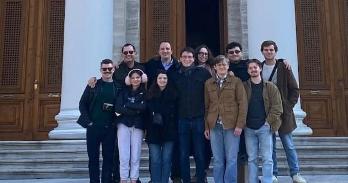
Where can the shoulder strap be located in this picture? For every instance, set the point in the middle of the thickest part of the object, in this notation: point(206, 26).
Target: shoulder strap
point(273, 71)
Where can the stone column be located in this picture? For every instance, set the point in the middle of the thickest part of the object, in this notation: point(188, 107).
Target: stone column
point(237, 23)
point(88, 39)
point(275, 20)
point(126, 19)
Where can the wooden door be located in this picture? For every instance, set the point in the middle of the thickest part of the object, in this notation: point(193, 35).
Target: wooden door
point(165, 20)
point(31, 50)
point(322, 35)
point(161, 20)
point(340, 53)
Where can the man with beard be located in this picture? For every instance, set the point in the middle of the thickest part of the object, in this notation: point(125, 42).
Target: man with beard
point(263, 118)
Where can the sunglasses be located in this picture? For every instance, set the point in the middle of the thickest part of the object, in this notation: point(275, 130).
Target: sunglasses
point(107, 69)
point(203, 53)
point(235, 51)
point(126, 52)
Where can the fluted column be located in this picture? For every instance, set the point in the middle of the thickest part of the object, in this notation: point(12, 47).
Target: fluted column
point(88, 39)
point(275, 20)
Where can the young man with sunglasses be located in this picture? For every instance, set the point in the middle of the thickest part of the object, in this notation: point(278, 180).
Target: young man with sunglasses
point(128, 54)
point(237, 65)
point(97, 116)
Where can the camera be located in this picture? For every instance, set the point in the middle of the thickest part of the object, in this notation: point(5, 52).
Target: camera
point(108, 107)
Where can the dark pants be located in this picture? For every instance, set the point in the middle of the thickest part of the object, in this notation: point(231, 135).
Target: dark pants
point(97, 136)
point(242, 154)
point(116, 163)
point(242, 158)
point(192, 128)
point(208, 154)
point(175, 170)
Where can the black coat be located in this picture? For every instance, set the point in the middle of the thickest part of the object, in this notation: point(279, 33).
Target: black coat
point(240, 69)
point(154, 65)
point(122, 71)
point(166, 106)
point(131, 105)
point(88, 99)
point(190, 86)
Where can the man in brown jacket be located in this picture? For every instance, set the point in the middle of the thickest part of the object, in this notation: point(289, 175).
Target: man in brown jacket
point(276, 72)
point(225, 114)
point(263, 118)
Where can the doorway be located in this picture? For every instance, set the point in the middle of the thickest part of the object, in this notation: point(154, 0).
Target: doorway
point(203, 24)
point(203, 21)
point(31, 57)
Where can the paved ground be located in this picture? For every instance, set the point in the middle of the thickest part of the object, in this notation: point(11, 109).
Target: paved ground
point(310, 179)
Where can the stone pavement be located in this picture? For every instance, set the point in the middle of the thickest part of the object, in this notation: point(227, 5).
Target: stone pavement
point(282, 179)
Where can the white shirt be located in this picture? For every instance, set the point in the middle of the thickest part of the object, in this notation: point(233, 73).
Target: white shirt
point(267, 71)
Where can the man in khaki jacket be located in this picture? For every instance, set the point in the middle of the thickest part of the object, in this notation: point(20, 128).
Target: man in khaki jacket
point(225, 114)
point(263, 118)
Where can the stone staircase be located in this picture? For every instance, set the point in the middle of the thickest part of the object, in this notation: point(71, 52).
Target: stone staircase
point(68, 158)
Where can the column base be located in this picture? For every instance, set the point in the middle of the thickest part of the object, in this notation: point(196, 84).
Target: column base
point(67, 127)
point(301, 129)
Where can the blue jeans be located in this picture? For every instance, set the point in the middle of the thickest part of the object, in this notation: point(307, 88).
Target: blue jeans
point(225, 146)
point(290, 152)
point(192, 128)
point(161, 161)
point(255, 140)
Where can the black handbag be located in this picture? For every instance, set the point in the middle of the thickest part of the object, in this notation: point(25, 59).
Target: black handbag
point(157, 119)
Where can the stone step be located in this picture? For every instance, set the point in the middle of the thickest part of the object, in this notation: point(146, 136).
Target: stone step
point(318, 159)
point(317, 150)
point(81, 144)
point(68, 159)
point(40, 173)
point(82, 162)
point(43, 145)
point(42, 154)
point(321, 141)
point(317, 169)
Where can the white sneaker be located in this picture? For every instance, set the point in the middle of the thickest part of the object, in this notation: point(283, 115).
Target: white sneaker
point(297, 178)
point(274, 179)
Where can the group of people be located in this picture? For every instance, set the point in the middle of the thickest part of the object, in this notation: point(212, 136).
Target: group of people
point(198, 105)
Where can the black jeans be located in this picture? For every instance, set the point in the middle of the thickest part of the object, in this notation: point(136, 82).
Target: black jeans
point(116, 163)
point(97, 136)
point(175, 172)
point(242, 154)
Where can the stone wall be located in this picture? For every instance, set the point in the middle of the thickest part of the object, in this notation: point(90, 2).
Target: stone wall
point(237, 23)
point(126, 26)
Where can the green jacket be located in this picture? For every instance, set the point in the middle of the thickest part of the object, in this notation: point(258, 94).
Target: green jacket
point(272, 102)
point(229, 102)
